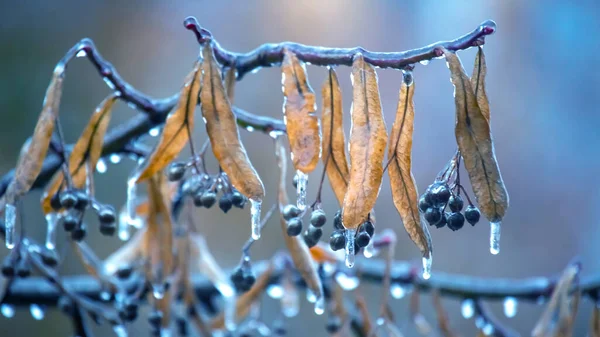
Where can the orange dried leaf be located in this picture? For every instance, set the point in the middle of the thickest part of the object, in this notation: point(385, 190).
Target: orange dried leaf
point(223, 132)
point(230, 77)
point(402, 182)
point(368, 139)
point(474, 140)
point(179, 123)
point(334, 139)
point(322, 253)
point(478, 84)
point(299, 107)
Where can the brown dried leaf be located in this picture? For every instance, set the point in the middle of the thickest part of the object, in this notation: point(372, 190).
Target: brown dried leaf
point(207, 264)
point(177, 127)
point(367, 322)
point(404, 188)
point(478, 84)
point(474, 140)
point(595, 322)
point(368, 139)
point(223, 132)
point(334, 139)
point(298, 249)
point(30, 162)
point(86, 152)
point(299, 107)
point(442, 317)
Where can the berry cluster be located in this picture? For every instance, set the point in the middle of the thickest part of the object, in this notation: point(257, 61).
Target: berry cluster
point(312, 235)
point(440, 196)
point(337, 240)
point(243, 277)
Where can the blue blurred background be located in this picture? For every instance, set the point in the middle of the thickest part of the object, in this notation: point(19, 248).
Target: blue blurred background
point(542, 86)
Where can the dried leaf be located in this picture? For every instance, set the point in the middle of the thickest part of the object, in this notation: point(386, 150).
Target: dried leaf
point(298, 249)
point(404, 188)
point(367, 322)
point(230, 78)
point(86, 152)
point(299, 107)
point(368, 138)
point(207, 264)
point(322, 253)
point(595, 322)
point(423, 327)
point(442, 317)
point(30, 162)
point(223, 132)
point(474, 140)
point(177, 127)
point(478, 83)
point(334, 139)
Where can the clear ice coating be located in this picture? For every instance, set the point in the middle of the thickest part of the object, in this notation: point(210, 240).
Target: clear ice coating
point(346, 282)
point(370, 250)
point(397, 291)
point(10, 219)
point(36, 312)
point(158, 291)
point(275, 291)
point(320, 305)
point(495, 237)
point(115, 158)
point(51, 222)
point(7, 310)
point(123, 231)
point(310, 296)
point(101, 166)
point(109, 83)
point(154, 132)
point(120, 331)
point(488, 329)
point(349, 250)
point(302, 180)
point(81, 53)
point(255, 206)
point(467, 308)
point(228, 294)
point(510, 307)
point(131, 216)
point(427, 266)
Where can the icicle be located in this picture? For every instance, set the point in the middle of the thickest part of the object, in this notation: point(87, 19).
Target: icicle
point(255, 217)
point(131, 216)
point(7, 310)
point(320, 305)
point(275, 291)
point(36, 312)
point(397, 291)
point(510, 307)
point(370, 250)
point(350, 234)
point(467, 308)
point(158, 291)
point(427, 266)
point(120, 331)
point(495, 237)
point(347, 283)
point(10, 219)
point(51, 222)
point(310, 296)
point(228, 294)
point(302, 181)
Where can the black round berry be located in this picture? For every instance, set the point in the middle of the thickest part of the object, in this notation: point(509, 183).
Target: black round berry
point(290, 212)
point(107, 214)
point(333, 325)
point(312, 236)
point(439, 194)
point(124, 272)
point(237, 276)
point(249, 279)
point(337, 240)
point(23, 269)
point(55, 202)
point(456, 221)
point(443, 221)
point(337, 220)
point(49, 257)
point(456, 203)
point(208, 199)
point(423, 203)
point(108, 228)
point(8, 267)
point(82, 200)
point(70, 222)
point(368, 227)
point(67, 199)
point(318, 218)
point(238, 199)
point(176, 171)
point(294, 227)
point(433, 215)
point(472, 215)
point(362, 239)
point(78, 233)
point(225, 203)
point(155, 317)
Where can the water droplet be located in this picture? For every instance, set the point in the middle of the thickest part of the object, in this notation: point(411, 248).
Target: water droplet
point(380, 321)
point(36, 312)
point(204, 119)
point(10, 219)
point(255, 206)
point(510, 307)
point(302, 180)
point(467, 308)
point(165, 332)
point(109, 83)
point(347, 283)
point(115, 158)
point(154, 132)
point(7, 310)
point(274, 134)
point(158, 291)
point(349, 250)
point(275, 291)
point(255, 70)
point(310, 296)
point(370, 250)
point(397, 291)
point(51, 224)
point(320, 305)
point(131, 217)
point(101, 166)
point(250, 128)
point(407, 77)
point(495, 237)
point(424, 62)
point(328, 268)
point(488, 329)
point(427, 261)
point(81, 53)
point(120, 331)
point(105, 296)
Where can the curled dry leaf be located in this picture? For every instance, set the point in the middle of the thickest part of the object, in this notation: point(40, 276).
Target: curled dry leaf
point(334, 139)
point(223, 132)
point(30, 162)
point(299, 107)
point(475, 143)
point(478, 83)
point(322, 253)
point(404, 188)
point(368, 138)
point(85, 153)
point(177, 128)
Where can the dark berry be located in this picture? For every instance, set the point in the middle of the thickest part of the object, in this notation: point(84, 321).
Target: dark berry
point(68, 200)
point(70, 222)
point(82, 200)
point(433, 216)
point(238, 199)
point(362, 239)
point(249, 279)
point(225, 203)
point(124, 272)
point(312, 236)
point(175, 171)
point(155, 317)
point(456, 203)
point(443, 221)
point(439, 194)
point(337, 240)
point(237, 276)
point(472, 215)
point(368, 227)
point(456, 221)
point(208, 199)
point(78, 233)
point(294, 227)
point(49, 257)
point(318, 218)
point(333, 325)
point(337, 220)
point(55, 202)
point(290, 212)
point(423, 203)
point(23, 269)
point(8, 267)
point(108, 228)
point(182, 326)
point(192, 185)
point(129, 310)
point(107, 214)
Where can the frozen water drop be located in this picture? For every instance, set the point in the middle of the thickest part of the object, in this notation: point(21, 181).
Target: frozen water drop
point(479, 322)
point(488, 329)
point(10, 219)
point(255, 206)
point(302, 180)
point(81, 53)
point(109, 83)
point(115, 158)
point(36, 312)
point(204, 119)
point(370, 250)
point(328, 268)
point(424, 62)
point(101, 166)
point(320, 305)
point(495, 237)
point(427, 261)
point(51, 223)
point(274, 134)
point(275, 291)
point(250, 128)
point(7, 310)
point(131, 216)
point(347, 283)
point(120, 331)
point(154, 132)
point(105, 296)
point(310, 296)
point(397, 291)
point(510, 307)
point(158, 291)
point(467, 308)
point(380, 321)
point(349, 250)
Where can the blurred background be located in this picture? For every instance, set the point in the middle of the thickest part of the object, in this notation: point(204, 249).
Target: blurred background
point(542, 87)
